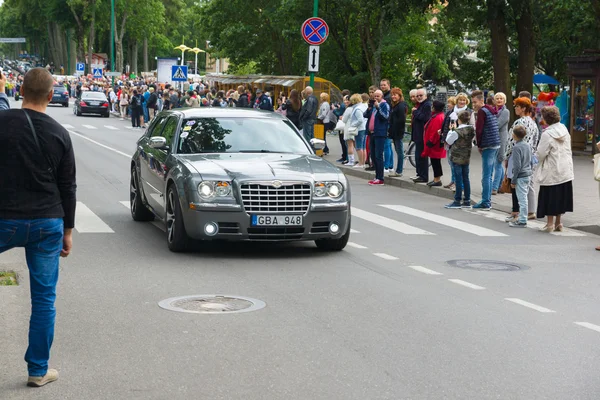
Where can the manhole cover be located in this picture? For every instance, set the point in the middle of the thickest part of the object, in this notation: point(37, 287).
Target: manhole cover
point(212, 304)
point(487, 265)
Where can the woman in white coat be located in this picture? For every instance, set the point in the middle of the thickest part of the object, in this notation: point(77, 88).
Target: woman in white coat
point(555, 171)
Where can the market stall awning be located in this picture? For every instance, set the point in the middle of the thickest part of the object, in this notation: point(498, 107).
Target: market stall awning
point(544, 79)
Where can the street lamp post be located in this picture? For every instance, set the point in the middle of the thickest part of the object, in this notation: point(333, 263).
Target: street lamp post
point(112, 39)
point(197, 50)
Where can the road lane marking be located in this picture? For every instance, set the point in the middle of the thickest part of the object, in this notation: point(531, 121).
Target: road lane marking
point(588, 325)
point(388, 223)
point(531, 224)
point(111, 127)
point(89, 126)
point(356, 245)
point(530, 305)
point(67, 126)
point(453, 223)
point(100, 144)
point(466, 284)
point(424, 270)
point(88, 222)
point(125, 203)
point(385, 256)
point(354, 231)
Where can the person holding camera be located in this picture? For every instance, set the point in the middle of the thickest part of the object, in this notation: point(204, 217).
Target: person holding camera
point(434, 147)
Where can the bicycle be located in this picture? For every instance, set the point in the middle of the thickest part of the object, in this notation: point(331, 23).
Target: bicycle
point(410, 150)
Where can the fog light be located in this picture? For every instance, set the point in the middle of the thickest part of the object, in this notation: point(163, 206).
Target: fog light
point(211, 229)
point(334, 228)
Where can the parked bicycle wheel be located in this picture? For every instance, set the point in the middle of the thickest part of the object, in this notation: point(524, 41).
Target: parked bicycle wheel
point(410, 154)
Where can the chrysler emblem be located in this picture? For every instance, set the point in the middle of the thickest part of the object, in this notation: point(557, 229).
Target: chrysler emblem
point(276, 184)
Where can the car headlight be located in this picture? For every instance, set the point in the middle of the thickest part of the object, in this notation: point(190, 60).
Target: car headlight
point(208, 190)
point(332, 189)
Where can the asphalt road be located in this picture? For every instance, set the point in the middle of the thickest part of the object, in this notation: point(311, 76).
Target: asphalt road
point(388, 318)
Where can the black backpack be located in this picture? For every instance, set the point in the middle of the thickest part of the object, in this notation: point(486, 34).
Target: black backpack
point(135, 101)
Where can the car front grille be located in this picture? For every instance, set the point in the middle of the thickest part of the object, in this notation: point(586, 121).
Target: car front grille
point(275, 233)
point(320, 227)
point(266, 198)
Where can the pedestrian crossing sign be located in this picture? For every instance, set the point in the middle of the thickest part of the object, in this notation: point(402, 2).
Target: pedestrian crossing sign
point(179, 73)
point(97, 72)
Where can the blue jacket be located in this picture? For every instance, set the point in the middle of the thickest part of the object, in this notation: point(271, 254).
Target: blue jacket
point(264, 103)
point(4, 104)
point(382, 116)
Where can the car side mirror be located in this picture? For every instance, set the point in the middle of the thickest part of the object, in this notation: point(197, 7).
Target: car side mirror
point(158, 142)
point(318, 144)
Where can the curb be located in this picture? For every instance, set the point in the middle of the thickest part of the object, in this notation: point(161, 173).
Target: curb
point(405, 183)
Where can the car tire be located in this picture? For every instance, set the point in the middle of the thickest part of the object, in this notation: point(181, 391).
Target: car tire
point(334, 244)
point(107, 115)
point(78, 112)
point(177, 238)
point(66, 105)
point(139, 211)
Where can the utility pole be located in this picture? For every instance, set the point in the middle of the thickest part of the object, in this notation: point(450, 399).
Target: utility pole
point(112, 39)
point(315, 14)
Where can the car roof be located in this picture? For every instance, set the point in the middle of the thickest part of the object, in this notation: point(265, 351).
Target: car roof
point(230, 112)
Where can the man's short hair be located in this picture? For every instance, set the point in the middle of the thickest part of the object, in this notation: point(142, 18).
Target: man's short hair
point(37, 84)
point(477, 94)
point(520, 131)
point(413, 92)
point(346, 92)
point(525, 93)
point(464, 117)
point(386, 80)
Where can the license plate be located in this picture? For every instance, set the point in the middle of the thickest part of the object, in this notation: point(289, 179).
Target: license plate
point(94, 103)
point(276, 220)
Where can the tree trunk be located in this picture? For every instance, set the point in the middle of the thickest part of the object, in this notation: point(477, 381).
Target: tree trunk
point(146, 68)
point(500, 56)
point(80, 35)
point(134, 57)
point(526, 34)
point(92, 35)
point(119, 33)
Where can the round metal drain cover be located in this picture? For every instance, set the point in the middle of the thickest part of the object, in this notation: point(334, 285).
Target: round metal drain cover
point(487, 265)
point(212, 304)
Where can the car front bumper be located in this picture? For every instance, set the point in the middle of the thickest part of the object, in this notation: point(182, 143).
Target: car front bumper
point(235, 224)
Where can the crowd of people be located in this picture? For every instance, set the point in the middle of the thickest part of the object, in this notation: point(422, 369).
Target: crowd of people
point(371, 126)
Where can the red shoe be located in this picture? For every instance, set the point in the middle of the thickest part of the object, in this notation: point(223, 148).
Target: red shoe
point(376, 182)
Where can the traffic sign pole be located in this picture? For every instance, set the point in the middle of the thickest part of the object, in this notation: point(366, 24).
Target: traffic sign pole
point(315, 14)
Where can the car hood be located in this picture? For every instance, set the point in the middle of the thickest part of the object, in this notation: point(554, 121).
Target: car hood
point(251, 166)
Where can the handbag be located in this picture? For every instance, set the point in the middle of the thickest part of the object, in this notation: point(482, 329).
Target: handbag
point(597, 167)
point(505, 186)
point(339, 126)
point(50, 170)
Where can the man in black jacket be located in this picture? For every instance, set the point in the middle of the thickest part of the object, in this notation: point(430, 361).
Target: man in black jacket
point(152, 103)
point(421, 114)
point(308, 114)
point(37, 206)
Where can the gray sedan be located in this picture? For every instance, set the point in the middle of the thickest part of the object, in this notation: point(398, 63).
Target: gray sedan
point(233, 174)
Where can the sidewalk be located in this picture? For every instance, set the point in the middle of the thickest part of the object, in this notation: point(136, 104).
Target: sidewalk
point(586, 215)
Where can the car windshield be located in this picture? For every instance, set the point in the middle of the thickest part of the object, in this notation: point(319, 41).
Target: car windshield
point(93, 96)
point(235, 135)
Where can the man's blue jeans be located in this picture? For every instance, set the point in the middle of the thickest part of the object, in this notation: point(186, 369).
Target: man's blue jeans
point(462, 182)
point(451, 164)
point(488, 158)
point(388, 155)
point(399, 145)
point(308, 130)
point(498, 175)
point(43, 241)
point(379, 142)
point(522, 187)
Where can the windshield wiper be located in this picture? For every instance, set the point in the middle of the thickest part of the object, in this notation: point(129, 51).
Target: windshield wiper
point(258, 151)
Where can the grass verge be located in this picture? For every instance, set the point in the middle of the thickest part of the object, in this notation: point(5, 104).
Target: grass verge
point(8, 278)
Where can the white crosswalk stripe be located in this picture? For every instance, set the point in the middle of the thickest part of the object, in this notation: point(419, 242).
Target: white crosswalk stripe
point(89, 126)
point(67, 126)
point(112, 128)
point(532, 224)
point(88, 222)
point(157, 224)
point(388, 223)
point(453, 223)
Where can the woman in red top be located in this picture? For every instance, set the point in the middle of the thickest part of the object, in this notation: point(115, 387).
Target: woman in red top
point(434, 149)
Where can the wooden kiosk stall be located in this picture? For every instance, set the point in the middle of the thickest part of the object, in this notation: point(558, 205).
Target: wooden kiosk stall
point(584, 79)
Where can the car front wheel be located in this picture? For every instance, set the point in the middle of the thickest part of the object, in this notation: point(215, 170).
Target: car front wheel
point(177, 238)
point(334, 244)
point(139, 212)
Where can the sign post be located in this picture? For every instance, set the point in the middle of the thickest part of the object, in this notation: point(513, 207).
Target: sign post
point(314, 32)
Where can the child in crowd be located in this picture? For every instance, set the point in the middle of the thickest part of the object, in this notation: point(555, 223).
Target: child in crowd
point(521, 174)
point(461, 140)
